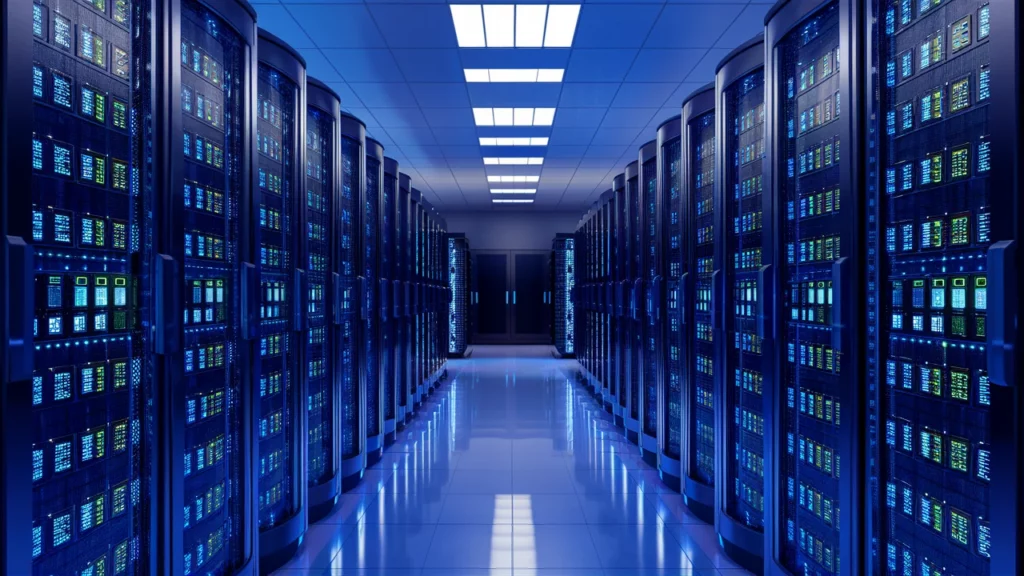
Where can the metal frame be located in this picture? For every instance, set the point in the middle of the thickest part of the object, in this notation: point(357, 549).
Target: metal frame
point(387, 297)
point(369, 303)
point(632, 275)
point(651, 278)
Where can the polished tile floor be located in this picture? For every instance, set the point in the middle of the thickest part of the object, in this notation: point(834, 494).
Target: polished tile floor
point(511, 468)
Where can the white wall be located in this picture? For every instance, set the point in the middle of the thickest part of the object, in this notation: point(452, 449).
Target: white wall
point(521, 230)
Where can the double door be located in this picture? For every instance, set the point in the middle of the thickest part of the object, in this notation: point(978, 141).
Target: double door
point(511, 297)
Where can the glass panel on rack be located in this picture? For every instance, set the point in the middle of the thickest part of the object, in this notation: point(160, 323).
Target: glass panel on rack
point(387, 336)
point(636, 271)
point(348, 259)
point(811, 224)
point(744, 395)
point(652, 332)
point(935, 213)
point(671, 226)
point(213, 69)
point(370, 346)
point(702, 370)
point(320, 132)
point(89, 389)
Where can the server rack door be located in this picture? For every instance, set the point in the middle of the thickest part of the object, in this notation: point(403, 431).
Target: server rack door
point(817, 391)
point(419, 261)
point(385, 296)
point(76, 388)
point(650, 323)
point(607, 365)
point(353, 392)
point(527, 304)
point(324, 300)
point(564, 272)
point(699, 316)
point(670, 396)
point(458, 308)
point(280, 130)
point(210, 226)
point(634, 343)
point(938, 214)
point(403, 345)
point(743, 356)
point(491, 269)
point(613, 308)
point(622, 297)
point(369, 348)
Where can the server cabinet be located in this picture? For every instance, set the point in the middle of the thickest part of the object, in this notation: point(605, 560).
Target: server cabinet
point(323, 306)
point(458, 308)
point(416, 234)
point(607, 201)
point(280, 159)
point(670, 391)
point(620, 318)
point(698, 303)
point(403, 262)
point(564, 257)
point(942, 258)
point(587, 293)
point(652, 337)
point(75, 389)
point(348, 245)
point(633, 328)
point(386, 297)
point(814, 175)
point(743, 351)
point(369, 343)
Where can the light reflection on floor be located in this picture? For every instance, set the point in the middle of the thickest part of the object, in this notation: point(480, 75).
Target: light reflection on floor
point(510, 468)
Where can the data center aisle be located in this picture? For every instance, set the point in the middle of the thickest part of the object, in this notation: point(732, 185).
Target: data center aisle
point(511, 468)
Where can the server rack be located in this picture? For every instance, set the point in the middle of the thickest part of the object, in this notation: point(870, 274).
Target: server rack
point(323, 114)
point(439, 298)
point(280, 162)
point(634, 334)
point(458, 308)
point(593, 287)
point(588, 294)
point(621, 317)
point(670, 392)
point(742, 346)
point(404, 342)
point(416, 235)
point(564, 249)
point(652, 337)
point(353, 391)
point(74, 344)
point(579, 297)
point(386, 295)
point(938, 382)
point(817, 337)
point(604, 293)
point(698, 303)
point(369, 253)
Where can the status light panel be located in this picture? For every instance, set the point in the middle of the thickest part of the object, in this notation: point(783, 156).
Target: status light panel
point(935, 205)
point(672, 162)
point(565, 281)
point(213, 68)
point(652, 331)
point(702, 362)
point(458, 308)
point(320, 132)
point(348, 241)
point(370, 345)
point(809, 169)
point(744, 392)
point(89, 388)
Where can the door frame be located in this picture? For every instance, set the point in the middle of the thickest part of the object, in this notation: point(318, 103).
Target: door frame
point(543, 337)
point(496, 338)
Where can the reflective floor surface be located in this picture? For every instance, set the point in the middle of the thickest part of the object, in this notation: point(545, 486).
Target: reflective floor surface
point(511, 468)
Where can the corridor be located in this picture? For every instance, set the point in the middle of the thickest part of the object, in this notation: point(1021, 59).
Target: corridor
point(511, 469)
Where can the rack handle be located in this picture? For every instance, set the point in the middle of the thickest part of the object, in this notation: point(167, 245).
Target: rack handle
point(684, 281)
point(300, 299)
point(250, 284)
point(839, 270)
point(364, 304)
point(506, 297)
point(1002, 298)
point(716, 280)
point(21, 279)
point(167, 296)
point(765, 294)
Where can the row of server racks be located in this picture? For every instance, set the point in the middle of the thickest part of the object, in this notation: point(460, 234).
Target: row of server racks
point(562, 262)
point(785, 299)
point(220, 298)
point(460, 273)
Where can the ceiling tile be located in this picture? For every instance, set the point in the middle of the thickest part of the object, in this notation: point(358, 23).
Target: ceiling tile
point(449, 117)
point(628, 117)
point(348, 97)
point(587, 94)
point(384, 94)
point(438, 95)
point(643, 94)
point(682, 93)
point(514, 57)
point(277, 20)
point(610, 152)
point(705, 69)
point(429, 65)
point(748, 24)
point(412, 141)
point(664, 65)
point(573, 135)
point(456, 151)
point(365, 65)
point(713, 19)
point(598, 65)
point(566, 151)
point(338, 26)
point(453, 136)
point(615, 136)
point(614, 25)
point(578, 117)
point(415, 26)
point(399, 117)
point(543, 95)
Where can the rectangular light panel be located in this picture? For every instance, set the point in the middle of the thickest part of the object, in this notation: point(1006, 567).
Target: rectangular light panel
point(532, 141)
point(510, 161)
point(513, 190)
point(513, 179)
point(512, 200)
point(515, 25)
point(513, 116)
point(509, 75)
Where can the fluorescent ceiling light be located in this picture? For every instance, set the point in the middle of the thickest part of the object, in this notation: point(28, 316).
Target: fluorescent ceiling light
point(512, 200)
point(509, 161)
point(522, 141)
point(509, 75)
point(515, 25)
point(561, 25)
point(469, 25)
point(513, 179)
point(513, 190)
point(513, 117)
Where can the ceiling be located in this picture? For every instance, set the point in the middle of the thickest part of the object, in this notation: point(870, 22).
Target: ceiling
point(397, 65)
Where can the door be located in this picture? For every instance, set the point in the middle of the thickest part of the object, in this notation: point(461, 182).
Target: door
point(492, 296)
point(529, 298)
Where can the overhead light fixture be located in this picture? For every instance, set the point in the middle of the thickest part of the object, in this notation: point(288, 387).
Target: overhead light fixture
point(512, 200)
point(510, 75)
point(533, 141)
point(514, 116)
point(509, 161)
point(513, 190)
point(513, 179)
point(515, 25)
